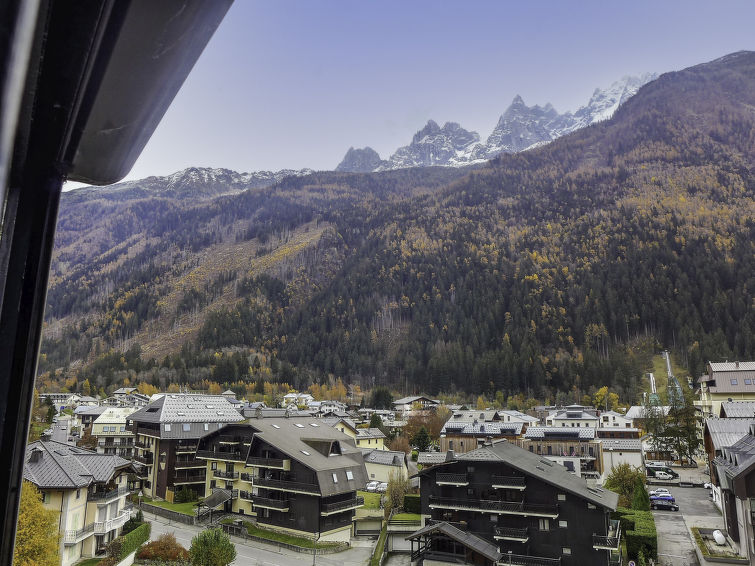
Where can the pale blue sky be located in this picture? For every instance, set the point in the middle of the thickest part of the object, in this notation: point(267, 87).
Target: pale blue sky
point(292, 84)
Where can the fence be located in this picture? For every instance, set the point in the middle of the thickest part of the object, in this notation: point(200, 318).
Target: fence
point(168, 514)
point(240, 531)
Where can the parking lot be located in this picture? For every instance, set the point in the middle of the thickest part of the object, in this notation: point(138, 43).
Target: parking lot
point(675, 544)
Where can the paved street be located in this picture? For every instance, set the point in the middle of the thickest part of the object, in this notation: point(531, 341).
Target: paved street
point(255, 554)
point(675, 543)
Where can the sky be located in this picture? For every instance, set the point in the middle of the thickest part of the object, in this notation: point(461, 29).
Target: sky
point(294, 84)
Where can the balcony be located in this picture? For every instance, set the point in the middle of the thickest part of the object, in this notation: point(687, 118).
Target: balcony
point(508, 482)
point(507, 533)
point(140, 444)
point(186, 448)
point(247, 477)
point(267, 503)
point(190, 463)
point(287, 485)
point(524, 560)
point(72, 537)
point(341, 506)
point(104, 527)
point(609, 542)
point(275, 463)
point(146, 458)
point(225, 475)
point(142, 474)
point(451, 479)
point(229, 440)
point(104, 497)
point(246, 495)
point(493, 506)
point(225, 455)
point(189, 478)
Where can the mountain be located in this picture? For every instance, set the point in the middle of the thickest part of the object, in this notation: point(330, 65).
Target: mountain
point(360, 161)
point(520, 127)
point(546, 273)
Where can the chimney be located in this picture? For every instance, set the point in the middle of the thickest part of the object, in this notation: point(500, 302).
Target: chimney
point(36, 455)
point(488, 441)
point(736, 364)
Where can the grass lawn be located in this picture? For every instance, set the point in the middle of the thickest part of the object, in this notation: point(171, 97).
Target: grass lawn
point(284, 538)
point(406, 517)
point(371, 500)
point(89, 562)
point(184, 508)
point(378, 553)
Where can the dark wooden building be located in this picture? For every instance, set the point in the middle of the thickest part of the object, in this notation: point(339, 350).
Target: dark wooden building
point(530, 509)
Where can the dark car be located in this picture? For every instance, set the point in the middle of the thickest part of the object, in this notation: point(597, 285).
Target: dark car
point(663, 505)
point(662, 497)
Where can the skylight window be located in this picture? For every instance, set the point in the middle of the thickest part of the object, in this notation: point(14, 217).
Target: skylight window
point(298, 425)
point(313, 424)
point(210, 406)
point(335, 478)
point(304, 452)
point(349, 475)
point(275, 426)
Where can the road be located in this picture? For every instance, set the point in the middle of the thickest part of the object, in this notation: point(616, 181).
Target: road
point(255, 554)
point(675, 543)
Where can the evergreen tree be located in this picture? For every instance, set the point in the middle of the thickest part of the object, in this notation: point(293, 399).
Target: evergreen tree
point(640, 497)
point(422, 439)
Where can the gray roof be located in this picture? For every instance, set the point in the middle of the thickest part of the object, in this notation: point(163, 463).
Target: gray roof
point(519, 415)
point(412, 399)
point(384, 457)
point(62, 466)
point(369, 433)
point(726, 432)
point(87, 410)
point(262, 412)
point(217, 498)
point(736, 463)
point(497, 428)
point(738, 409)
point(625, 444)
point(124, 390)
point(426, 458)
point(470, 541)
point(188, 408)
point(541, 468)
point(572, 414)
point(638, 411)
point(730, 377)
point(560, 432)
point(731, 366)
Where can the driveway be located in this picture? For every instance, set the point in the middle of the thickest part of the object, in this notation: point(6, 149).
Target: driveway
point(249, 553)
point(675, 544)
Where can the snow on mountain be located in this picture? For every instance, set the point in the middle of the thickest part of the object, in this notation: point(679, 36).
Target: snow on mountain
point(521, 127)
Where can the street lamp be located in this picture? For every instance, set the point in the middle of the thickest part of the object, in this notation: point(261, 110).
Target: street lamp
point(141, 494)
point(314, 549)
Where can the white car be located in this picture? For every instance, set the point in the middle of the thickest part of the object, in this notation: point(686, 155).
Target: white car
point(372, 486)
point(659, 491)
point(382, 487)
point(707, 485)
point(661, 475)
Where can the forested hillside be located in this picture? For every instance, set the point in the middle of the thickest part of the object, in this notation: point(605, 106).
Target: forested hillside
point(557, 269)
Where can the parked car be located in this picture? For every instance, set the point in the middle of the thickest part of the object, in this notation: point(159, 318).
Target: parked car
point(372, 486)
point(707, 485)
point(382, 487)
point(661, 475)
point(659, 491)
point(663, 497)
point(663, 505)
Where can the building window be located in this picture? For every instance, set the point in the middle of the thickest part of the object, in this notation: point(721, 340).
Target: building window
point(566, 551)
point(349, 475)
point(44, 497)
point(186, 427)
point(214, 466)
point(78, 493)
point(167, 428)
point(590, 506)
point(450, 444)
point(562, 525)
point(335, 478)
point(562, 497)
point(207, 426)
point(734, 382)
point(372, 476)
point(212, 484)
point(544, 524)
point(748, 381)
point(494, 518)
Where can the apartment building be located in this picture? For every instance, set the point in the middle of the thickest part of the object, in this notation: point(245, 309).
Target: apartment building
point(465, 436)
point(295, 475)
point(725, 381)
point(89, 491)
point(573, 416)
point(557, 441)
point(501, 504)
point(166, 433)
point(372, 438)
point(111, 433)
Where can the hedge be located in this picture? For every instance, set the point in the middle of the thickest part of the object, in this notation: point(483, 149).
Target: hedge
point(135, 539)
point(639, 532)
point(412, 503)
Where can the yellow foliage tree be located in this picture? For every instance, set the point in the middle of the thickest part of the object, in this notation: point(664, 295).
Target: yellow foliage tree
point(215, 389)
point(36, 532)
point(146, 388)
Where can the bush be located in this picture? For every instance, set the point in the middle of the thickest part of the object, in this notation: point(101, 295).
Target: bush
point(124, 545)
point(185, 495)
point(415, 453)
point(212, 548)
point(640, 533)
point(412, 503)
point(132, 523)
point(164, 548)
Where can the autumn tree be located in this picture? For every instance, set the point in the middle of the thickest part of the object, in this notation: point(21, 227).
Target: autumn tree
point(212, 547)
point(624, 479)
point(36, 531)
point(398, 487)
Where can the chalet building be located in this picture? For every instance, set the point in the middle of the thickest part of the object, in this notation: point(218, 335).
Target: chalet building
point(166, 433)
point(110, 430)
point(618, 451)
point(612, 419)
point(573, 416)
point(372, 438)
point(719, 434)
point(381, 465)
point(501, 504)
point(295, 475)
point(638, 414)
point(735, 470)
point(464, 436)
point(87, 415)
point(89, 490)
point(557, 441)
point(616, 432)
point(725, 381)
point(408, 405)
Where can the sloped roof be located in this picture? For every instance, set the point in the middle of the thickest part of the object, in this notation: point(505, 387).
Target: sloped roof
point(413, 399)
point(470, 541)
point(727, 432)
point(188, 408)
point(731, 366)
point(560, 432)
point(115, 415)
point(496, 428)
point(384, 457)
point(369, 433)
point(518, 415)
point(62, 466)
point(738, 409)
point(541, 468)
point(638, 411)
point(736, 463)
point(626, 444)
point(426, 458)
point(87, 410)
point(217, 498)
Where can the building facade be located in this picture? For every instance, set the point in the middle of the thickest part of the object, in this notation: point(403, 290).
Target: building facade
point(294, 475)
point(89, 490)
point(166, 434)
point(111, 433)
point(725, 381)
point(505, 504)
